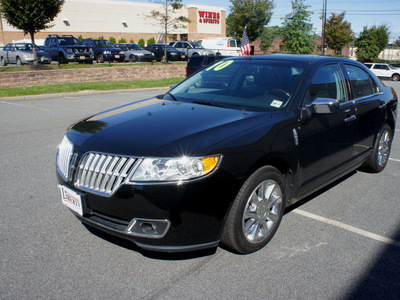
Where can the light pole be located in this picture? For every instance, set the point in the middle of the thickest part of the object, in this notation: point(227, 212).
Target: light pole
point(324, 9)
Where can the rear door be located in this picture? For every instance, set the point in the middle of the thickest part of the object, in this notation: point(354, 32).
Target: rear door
point(370, 105)
point(325, 141)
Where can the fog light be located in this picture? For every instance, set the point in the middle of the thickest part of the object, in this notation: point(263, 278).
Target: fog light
point(150, 228)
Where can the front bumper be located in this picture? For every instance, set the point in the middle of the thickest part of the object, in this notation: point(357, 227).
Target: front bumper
point(184, 217)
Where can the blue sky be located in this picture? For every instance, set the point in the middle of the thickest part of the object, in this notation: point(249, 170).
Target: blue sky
point(359, 13)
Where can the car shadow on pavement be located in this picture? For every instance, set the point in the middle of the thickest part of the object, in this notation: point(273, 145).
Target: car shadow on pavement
point(382, 280)
point(150, 254)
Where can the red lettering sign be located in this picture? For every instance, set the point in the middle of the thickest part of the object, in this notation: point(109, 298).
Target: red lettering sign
point(209, 17)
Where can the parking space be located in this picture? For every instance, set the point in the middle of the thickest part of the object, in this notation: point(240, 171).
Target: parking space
point(342, 243)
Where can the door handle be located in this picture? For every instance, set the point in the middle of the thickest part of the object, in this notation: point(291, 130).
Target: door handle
point(383, 106)
point(350, 119)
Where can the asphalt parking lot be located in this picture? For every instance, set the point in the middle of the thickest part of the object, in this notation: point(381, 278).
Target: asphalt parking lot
point(343, 243)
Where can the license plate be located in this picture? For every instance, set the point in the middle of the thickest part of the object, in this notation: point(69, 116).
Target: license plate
point(183, 56)
point(71, 199)
point(82, 57)
point(116, 56)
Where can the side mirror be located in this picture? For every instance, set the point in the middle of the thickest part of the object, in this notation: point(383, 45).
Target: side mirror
point(324, 106)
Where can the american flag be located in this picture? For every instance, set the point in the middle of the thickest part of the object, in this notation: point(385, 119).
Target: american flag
point(245, 48)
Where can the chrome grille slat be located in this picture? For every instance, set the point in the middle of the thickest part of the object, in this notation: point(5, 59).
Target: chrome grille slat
point(64, 157)
point(103, 173)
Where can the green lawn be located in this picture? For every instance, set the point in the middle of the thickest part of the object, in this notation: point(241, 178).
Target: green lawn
point(14, 68)
point(85, 86)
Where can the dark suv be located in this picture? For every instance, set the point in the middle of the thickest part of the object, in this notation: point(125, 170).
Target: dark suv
point(197, 62)
point(104, 50)
point(67, 48)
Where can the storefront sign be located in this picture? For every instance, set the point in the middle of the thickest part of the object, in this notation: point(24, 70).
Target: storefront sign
point(209, 17)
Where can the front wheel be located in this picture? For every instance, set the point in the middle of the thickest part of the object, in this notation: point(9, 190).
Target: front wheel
point(396, 77)
point(3, 62)
point(132, 58)
point(19, 62)
point(380, 154)
point(100, 59)
point(256, 212)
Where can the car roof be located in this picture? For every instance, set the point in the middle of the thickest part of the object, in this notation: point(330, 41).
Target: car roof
point(295, 57)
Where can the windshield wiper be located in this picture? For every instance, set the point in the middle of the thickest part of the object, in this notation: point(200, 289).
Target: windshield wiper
point(207, 103)
point(172, 96)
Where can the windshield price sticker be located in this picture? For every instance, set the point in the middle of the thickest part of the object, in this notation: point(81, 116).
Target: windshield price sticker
point(71, 199)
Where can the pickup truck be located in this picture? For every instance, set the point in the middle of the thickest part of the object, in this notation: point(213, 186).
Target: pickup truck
point(67, 48)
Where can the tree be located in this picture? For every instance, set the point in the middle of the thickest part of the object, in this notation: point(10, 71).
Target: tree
point(371, 42)
point(297, 29)
point(338, 32)
point(141, 43)
point(167, 18)
point(122, 40)
point(268, 35)
point(255, 14)
point(397, 42)
point(30, 16)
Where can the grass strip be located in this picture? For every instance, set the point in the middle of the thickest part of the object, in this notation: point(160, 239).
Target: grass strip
point(86, 86)
point(14, 68)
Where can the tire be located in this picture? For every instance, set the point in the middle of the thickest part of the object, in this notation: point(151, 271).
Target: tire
point(195, 54)
point(19, 62)
point(61, 59)
point(3, 62)
point(381, 152)
point(132, 58)
point(396, 77)
point(256, 212)
point(100, 59)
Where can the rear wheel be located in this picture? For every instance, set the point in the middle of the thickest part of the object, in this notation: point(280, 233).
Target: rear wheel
point(380, 154)
point(256, 212)
point(396, 77)
point(3, 62)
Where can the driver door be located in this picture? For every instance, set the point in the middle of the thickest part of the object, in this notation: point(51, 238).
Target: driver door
point(326, 141)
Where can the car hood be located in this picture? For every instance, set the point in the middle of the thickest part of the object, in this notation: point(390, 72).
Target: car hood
point(156, 127)
point(140, 51)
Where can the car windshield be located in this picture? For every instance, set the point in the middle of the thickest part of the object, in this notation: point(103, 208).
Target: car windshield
point(393, 68)
point(103, 43)
point(70, 41)
point(197, 46)
point(135, 47)
point(254, 85)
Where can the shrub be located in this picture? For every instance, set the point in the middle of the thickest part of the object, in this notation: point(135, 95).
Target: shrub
point(151, 41)
point(132, 41)
point(121, 40)
point(80, 37)
point(101, 37)
point(112, 40)
point(141, 43)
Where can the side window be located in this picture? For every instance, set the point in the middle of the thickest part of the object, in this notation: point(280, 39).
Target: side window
point(361, 83)
point(327, 82)
point(232, 43)
point(53, 43)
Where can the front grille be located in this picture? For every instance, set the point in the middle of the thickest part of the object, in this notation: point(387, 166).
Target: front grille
point(64, 157)
point(103, 173)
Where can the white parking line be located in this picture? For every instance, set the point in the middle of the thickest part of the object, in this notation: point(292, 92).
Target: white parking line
point(398, 160)
point(28, 106)
point(348, 228)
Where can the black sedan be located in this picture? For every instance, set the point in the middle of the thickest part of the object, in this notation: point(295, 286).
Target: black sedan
point(172, 53)
point(221, 155)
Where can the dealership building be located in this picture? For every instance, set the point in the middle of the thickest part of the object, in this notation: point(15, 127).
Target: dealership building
point(125, 19)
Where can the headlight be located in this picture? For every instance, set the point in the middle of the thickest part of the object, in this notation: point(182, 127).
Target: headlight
point(138, 53)
point(106, 52)
point(28, 56)
point(152, 54)
point(174, 169)
point(69, 50)
point(121, 52)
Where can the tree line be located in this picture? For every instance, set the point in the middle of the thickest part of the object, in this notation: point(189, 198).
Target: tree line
point(297, 33)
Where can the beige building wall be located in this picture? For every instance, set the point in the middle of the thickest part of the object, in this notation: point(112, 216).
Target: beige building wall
point(124, 19)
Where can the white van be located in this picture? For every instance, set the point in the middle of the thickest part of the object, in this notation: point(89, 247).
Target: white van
point(222, 46)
